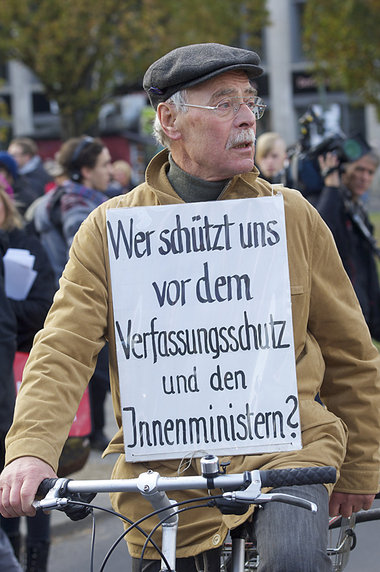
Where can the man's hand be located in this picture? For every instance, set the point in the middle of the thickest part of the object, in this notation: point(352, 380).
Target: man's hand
point(329, 166)
point(19, 482)
point(347, 503)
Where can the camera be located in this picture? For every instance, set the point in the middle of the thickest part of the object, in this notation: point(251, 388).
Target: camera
point(347, 149)
point(304, 161)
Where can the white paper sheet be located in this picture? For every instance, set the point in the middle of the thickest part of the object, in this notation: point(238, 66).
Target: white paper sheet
point(19, 273)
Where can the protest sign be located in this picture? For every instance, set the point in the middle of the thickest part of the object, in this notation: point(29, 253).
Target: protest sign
point(203, 326)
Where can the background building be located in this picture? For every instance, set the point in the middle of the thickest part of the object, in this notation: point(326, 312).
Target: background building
point(286, 86)
point(290, 87)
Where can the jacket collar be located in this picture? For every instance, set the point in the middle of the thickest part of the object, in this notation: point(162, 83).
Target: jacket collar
point(240, 186)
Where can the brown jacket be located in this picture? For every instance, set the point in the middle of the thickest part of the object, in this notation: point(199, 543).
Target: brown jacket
point(334, 356)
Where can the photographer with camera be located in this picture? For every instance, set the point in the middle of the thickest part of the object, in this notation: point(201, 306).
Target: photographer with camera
point(341, 206)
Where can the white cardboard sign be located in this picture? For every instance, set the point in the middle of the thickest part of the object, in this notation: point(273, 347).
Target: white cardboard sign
point(203, 328)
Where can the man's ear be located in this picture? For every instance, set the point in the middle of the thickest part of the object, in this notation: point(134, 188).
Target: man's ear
point(167, 115)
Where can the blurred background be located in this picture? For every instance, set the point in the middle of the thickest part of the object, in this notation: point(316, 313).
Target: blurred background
point(74, 67)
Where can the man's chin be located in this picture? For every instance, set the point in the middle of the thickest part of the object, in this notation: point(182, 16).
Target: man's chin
point(246, 165)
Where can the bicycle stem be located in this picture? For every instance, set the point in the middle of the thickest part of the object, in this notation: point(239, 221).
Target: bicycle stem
point(147, 483)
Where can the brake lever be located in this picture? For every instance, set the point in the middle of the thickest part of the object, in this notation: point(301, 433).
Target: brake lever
point(249, 496)
point(53, 498)
point(56, 499)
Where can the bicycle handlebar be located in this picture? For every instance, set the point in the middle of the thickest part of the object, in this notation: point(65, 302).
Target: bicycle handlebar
point(267, 478)
point(299, 476)
point(241, 487)
point(45, 486)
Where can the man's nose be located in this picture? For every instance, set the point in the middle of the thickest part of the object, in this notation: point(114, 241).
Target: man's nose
point(245, 116)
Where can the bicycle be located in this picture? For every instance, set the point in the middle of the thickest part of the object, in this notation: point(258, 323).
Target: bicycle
point(339, 548)
point(346, 540)
point(238, 491)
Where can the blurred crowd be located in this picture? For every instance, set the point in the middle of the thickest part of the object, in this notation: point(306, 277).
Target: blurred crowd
point(339, 189)
point(42, 205)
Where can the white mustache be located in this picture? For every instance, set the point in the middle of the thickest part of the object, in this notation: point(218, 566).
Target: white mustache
point(245, 136)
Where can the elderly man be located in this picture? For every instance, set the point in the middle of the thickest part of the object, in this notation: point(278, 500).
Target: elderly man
point(207, 110)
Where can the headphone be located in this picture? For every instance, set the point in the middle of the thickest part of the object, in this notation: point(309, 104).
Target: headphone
point(84, 142)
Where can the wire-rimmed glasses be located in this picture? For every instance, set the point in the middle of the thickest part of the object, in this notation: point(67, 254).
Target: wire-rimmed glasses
point(229, 107)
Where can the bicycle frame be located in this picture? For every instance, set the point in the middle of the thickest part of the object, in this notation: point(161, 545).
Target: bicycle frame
point(345, 543)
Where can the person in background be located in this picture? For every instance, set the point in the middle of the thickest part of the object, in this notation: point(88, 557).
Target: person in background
point(30, 314)
point(53, 241)
point(271, 159)
point(121, 178)
point(86, 170)
point(56, 171)
point(86, 174)
point(6, 186)
point(206, 112)
point(32, 176)
point(8, 172)
point(342, 208)
point(8, 334)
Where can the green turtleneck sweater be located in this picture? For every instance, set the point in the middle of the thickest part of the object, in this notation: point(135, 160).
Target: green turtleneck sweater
point(190, 188)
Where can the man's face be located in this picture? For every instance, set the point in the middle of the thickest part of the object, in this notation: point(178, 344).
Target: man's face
point(19, 156)
point(98, 177)
point(358, 176)
point(210, 147)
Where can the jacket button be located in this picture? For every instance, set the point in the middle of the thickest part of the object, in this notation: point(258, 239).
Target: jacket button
point(216, 539)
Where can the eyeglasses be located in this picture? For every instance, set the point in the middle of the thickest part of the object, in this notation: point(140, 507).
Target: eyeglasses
point(229, 107)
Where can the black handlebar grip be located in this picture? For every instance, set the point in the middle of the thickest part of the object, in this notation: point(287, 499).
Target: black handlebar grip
point(299, 476)
point(74, 510)
point(45, 486)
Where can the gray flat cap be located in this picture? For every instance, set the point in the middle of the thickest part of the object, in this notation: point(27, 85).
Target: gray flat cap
point(190, 65)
